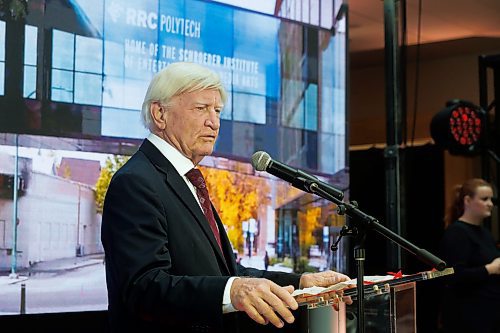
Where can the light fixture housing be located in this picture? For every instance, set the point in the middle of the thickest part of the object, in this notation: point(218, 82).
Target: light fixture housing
point(460, 127)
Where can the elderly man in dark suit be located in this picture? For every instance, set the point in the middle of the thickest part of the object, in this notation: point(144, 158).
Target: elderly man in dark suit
point(169, 263)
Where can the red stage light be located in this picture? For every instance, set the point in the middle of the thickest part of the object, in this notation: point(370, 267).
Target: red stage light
point(459, 127)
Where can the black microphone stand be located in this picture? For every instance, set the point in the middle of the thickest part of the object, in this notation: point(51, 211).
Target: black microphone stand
point(363, 222)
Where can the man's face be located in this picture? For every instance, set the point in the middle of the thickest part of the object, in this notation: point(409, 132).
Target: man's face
point(192, 123)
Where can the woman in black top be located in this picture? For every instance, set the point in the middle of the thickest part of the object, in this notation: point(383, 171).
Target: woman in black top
point(472, 295)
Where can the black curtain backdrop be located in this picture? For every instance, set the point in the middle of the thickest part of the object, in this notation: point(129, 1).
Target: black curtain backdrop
point(423, 182)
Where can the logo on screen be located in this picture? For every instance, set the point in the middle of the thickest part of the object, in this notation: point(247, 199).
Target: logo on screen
point(115, 11)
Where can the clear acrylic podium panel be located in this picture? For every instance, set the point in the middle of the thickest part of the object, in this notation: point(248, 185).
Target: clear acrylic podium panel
point(392, 310)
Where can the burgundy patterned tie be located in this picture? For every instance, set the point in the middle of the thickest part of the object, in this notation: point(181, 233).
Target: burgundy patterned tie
point(196, 178)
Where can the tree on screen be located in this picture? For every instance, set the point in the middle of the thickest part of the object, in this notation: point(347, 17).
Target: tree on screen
point(18, 9)
point(236, 197)
point(111, 166)
point(309, 222)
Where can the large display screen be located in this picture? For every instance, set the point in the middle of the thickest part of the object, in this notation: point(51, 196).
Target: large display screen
point(88, 75)
point(72, 81)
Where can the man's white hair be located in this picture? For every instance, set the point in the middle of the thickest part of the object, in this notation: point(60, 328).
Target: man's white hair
point(175, 79)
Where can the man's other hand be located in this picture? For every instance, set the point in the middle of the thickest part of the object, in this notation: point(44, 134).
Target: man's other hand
point(321, 279)
point(325, 279)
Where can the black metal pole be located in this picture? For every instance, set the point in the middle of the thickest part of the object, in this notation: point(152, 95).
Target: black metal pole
point(483, 102)
point(492, 143)
point(393, 127)
point(22, 308)
point(496, 91)
point(359, 256)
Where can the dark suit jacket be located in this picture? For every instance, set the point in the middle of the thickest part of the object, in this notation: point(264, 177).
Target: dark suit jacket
point(164, 269)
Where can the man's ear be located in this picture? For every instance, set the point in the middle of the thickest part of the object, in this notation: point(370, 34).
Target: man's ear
point(158, 115)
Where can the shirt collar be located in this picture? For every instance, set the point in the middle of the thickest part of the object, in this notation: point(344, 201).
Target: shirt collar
point(180, 162)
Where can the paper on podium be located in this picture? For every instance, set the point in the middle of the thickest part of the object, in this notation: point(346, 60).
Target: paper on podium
point(315, 297)
point(341, 285)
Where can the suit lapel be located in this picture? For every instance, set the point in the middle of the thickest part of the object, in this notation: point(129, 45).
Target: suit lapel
point(226, 245)
point(179, 187)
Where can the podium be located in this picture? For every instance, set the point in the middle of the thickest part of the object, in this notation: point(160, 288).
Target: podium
point(391, 311)
point(390, 307)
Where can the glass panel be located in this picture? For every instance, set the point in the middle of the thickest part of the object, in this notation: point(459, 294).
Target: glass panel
point(297, 13)
point(2, 77)
point(292, 104)
point(30, 45)
point(227, 113)
point(332, 148)
point(2, 57)
point(326, 11)
point(297, 116)
point(92, 12)
point(305, 11)
point(314, 12)
point(88, 88)
point(251, 108)
point(261, 73)
point(113, 58)
point(112, 92)
point(62, 86)
point(133, 93)
point(288, 8)
point(2, 39)
point(115, 120)
point(29, 89)
point(311, 107)
point(88, 55)
point(63, 50)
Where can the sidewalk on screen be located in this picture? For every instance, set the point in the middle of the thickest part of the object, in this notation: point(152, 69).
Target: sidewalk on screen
point(258, 262)
point(50, 266)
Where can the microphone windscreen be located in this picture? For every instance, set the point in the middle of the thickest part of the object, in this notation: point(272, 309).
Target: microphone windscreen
point(260, 160)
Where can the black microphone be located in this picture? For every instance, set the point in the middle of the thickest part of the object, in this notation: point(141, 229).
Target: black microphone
point(261, 161)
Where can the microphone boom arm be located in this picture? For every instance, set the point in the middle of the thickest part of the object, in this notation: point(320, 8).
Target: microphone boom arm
point(369, 222)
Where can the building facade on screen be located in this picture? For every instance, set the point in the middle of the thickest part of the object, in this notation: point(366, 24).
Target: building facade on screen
point(84, 78)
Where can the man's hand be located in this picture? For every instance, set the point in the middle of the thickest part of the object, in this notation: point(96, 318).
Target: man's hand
point(494, 266)
point(321, 279)
point(325, 279)
point(262, 300)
